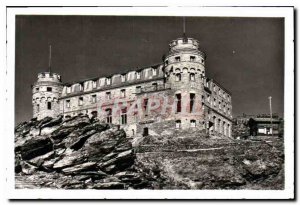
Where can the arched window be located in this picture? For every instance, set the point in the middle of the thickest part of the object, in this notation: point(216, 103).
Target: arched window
point(192, 77)
point(178, 77)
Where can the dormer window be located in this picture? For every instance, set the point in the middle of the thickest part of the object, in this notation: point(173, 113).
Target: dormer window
point(123, 78)
point(177, 59)
point(154, 71)
point(108, 81)
point(81, 87)
point(138, 75)
point(69, 89)
point(94, 84)
point(192, 58)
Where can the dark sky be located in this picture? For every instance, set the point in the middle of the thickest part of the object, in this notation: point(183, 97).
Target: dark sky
point(245, 55)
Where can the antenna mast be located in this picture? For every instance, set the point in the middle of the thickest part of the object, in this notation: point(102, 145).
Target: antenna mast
point(49, 59)
point(270, 99)
point(184, 36)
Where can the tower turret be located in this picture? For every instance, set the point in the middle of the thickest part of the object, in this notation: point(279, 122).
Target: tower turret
point(45, 94)
point(185, 73)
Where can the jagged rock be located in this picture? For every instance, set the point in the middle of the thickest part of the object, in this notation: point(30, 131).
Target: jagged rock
point(28, 168)
point(77, 121)
point(39, 160)
point(70, 158)
point(52, 122)
point(79, 168)
point(44, 121)
point(109, 185)
point(34, 147)
point(62, 132)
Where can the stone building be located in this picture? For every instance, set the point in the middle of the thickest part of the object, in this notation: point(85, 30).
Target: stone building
point(175, 94)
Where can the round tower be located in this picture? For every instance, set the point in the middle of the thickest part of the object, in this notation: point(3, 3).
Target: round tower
point(45, 94)
point(185, 73)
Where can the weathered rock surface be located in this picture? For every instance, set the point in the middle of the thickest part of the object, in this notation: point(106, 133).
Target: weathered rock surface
point(82, 153)
point(85, 152)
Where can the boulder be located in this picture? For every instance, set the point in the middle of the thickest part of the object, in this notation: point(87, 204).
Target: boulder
point(35, 146)
point(69, 159)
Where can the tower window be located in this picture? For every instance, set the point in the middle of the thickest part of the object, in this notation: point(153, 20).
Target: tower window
point(37, 89)
point(123, 93)
point(166, 62)
point(38, 107)
point(68, 104)
point(178, 124)
point(123, 78)
point(177, 59)
point(202, 61)
point(108, 116)
point(192, 58)
point(94, 98)
point(49, 107)
point(108, 95)
point(80, 101)
point(138, 75)
point(192, 77)
point(192, 100)
point(178, 103)
point(193, 123)
point(49, 89)
point(124, 116)
point(178, 77)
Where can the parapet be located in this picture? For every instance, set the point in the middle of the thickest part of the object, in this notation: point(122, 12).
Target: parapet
point(184, 43)
point(49, 77)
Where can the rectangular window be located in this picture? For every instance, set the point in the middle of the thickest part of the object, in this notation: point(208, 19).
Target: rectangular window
point(192, 77)
point(68, 104)
point(192, 101)
point(138, 75)
point(215, 103)
point(49, 107)
point(108, 95)
point(177, 59)
point(193, 123)
point(49, 89)
point(192, 58)
point(178, 124)
point(138, 89)
point(124, 116)
point(37, 107)
point(123, 93)
point(94, 98)
point(94, 83)
point(178, 103)
point(154, 85)
point(80, 101)
point(123, 78)
point(145, 104)
point(108, 116)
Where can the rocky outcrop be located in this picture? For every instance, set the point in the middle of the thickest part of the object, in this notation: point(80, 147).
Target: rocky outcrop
point(84, 152)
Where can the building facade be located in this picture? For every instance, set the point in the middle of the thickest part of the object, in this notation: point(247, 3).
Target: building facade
point(175, 94)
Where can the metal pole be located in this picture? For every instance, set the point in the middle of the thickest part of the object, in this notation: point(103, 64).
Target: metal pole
point(270, 100)
point(50, 58)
